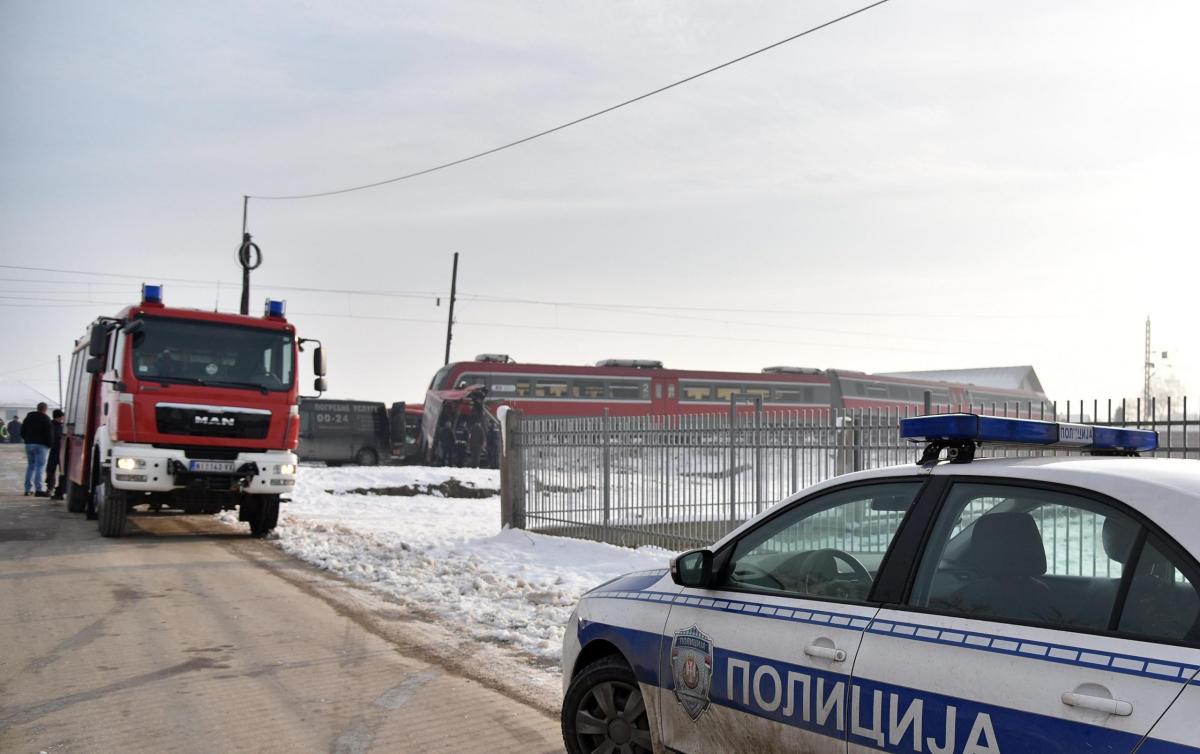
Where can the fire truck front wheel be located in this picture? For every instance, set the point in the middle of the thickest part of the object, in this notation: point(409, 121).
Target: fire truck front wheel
point(112, 505)
point(262, 514)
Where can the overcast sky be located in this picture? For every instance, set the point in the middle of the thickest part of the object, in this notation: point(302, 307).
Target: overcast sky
point(927, 185)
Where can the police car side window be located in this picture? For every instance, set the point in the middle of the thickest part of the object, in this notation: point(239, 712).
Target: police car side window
point(830, 546)
point(1025, 554)
point(1162, 602)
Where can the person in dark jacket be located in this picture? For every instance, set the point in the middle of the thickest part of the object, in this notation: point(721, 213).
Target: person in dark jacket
point(53, 483)
point(14, 429)
point(475, 438)
point(38, 433)
point(445, 443)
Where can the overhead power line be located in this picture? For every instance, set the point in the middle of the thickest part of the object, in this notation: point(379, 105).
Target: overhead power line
point(575, 122)
point(605, 331)
point(630, 308)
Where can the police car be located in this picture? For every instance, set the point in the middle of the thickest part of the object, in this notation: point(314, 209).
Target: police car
point(954, 606)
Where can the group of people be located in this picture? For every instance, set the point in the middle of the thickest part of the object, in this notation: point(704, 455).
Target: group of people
point(462, 442)
point(42, 434)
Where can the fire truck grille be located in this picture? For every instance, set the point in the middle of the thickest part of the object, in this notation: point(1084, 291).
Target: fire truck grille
point(199, 421)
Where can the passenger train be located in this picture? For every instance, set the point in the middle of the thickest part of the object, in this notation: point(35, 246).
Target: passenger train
point(628, 387)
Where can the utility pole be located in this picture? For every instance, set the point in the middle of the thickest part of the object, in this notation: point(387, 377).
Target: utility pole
point(249, 257)
point(450, 319)
point(1148, 369)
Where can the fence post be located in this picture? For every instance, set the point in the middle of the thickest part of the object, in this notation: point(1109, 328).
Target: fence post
point(732, 461)
point(606, 473)
point(512, 474)
point(758, 456)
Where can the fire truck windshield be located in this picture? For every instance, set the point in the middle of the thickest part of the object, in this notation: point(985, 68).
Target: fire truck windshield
point(167, 350)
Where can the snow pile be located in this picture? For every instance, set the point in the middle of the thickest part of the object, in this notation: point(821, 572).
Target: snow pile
point(448, 555)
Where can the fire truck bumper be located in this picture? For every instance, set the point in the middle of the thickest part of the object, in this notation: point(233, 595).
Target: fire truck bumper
point(145, 468)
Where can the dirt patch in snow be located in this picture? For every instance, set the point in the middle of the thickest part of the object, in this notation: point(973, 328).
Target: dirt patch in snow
point(448, 488)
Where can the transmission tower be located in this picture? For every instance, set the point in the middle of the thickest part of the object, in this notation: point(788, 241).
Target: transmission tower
point(1148, 367)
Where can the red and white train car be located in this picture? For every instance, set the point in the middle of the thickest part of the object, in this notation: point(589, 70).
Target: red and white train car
point(629, 387)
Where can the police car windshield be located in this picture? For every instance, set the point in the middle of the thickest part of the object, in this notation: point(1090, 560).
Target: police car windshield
point(207, 353)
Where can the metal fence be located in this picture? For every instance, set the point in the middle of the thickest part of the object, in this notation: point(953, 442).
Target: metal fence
point(684, 481)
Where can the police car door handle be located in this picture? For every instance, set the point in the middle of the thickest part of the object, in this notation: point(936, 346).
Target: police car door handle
point(825, 653)
point(1097, 703)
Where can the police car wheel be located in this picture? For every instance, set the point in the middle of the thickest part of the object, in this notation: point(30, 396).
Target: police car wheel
point(604, 711)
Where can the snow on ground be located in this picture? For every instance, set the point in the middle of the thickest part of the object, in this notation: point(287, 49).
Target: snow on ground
point(449, 555)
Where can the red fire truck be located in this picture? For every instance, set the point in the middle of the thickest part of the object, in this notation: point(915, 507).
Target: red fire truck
point(172, 408)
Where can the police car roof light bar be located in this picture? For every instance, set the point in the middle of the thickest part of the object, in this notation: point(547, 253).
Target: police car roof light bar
point(962, 432)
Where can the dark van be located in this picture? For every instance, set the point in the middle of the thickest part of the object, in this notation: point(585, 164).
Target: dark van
point(362, 432)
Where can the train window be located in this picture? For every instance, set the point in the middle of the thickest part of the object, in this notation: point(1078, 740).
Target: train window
point(440, 378)
point(469, 379)
point(629, 390)
point(758, 392)
point(671, 390)
point(658, 391)
point(550, 388)
point(588, 389)
point(902, 393)
point(724, 392)
point(793, 394)
point(690, 391)
point(523, 387)
point(876, 391)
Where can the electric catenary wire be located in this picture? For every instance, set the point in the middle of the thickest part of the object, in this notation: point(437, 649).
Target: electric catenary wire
point(568, 124)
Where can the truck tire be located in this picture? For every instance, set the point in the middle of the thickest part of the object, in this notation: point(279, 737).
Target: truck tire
point(263, 516)
point(112, 506)
point(366, 457)
point(77, 497)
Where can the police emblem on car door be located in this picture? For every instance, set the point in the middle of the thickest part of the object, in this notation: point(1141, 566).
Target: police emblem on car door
point(787, 604)
point(691, 670)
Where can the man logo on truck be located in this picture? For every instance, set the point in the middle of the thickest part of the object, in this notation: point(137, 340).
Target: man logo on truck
point(216, 421)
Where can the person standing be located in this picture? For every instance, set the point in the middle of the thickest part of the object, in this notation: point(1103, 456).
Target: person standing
point(475, 438)
point(14, 429)
point(445, 443)
point(38, 435)
point(54, 485)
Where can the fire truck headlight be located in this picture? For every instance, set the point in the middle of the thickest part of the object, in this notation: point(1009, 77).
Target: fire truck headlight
point(129, 464)
point(286, 469)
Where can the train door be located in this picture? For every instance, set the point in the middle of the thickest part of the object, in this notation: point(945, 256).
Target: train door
point(664, 399)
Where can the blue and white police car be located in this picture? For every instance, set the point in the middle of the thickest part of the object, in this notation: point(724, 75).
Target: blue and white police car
point(954, 606)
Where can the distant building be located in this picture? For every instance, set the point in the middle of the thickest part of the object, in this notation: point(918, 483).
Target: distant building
point(18, 398)
point(1005, 378)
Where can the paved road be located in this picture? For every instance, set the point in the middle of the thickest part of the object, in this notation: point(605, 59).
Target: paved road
point(188, 636)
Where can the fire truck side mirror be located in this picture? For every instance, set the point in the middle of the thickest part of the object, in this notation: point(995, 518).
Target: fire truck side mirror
point(98, 340)
point(319, 385)
point(95, 365)
point(320, 362)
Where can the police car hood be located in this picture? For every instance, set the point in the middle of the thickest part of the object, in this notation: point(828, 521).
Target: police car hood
point(636, 581)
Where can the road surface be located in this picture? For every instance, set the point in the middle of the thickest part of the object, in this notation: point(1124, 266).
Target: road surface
point(188, 636)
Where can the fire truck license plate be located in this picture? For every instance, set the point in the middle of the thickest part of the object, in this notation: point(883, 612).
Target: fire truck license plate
point(221, 467)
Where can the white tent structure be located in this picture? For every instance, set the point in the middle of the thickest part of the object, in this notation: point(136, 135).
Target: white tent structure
point(1008, 378)
point(18, 398)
